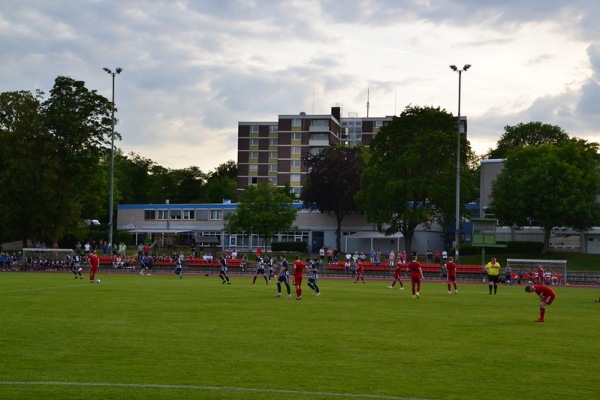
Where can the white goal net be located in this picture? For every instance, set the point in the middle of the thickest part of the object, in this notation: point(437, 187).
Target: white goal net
point(46, 259)
point(554, 271)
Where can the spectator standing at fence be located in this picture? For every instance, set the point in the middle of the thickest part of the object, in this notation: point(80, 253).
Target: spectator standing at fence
point(416, 275)
point(313, 278)
point(508, 275)
point(429, 256)
point(493, 270)
point(546, 296)
point(299, 267)
point(392, 259)
point(122, 249)
point(348, 262)
point(372, 255)
point(260, 270)
point(94, 262)
point(444, 256)
point(223, 270)
point(140, 251)
point(451, 271)
point(397, 277)
point(283, 277)
point(437, 256)
point(360, 272)
point(321, 254)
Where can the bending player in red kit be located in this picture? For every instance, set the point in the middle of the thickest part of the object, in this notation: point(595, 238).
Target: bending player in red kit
point(546, 296)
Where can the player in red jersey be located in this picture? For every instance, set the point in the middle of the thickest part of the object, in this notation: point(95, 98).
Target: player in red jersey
point(397, 277)
point(360, 272)
point(299, 267)
point(416, 274)
point(451, 279)
point(94, 261)
point(546, 296)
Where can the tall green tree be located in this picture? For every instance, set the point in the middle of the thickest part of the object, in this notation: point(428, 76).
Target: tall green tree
point(221, 183)
point(264, 210)
point(549, 186)
point(79, 122)
point(528, 134)
point(410, 177)
point(24, 164)
point(132, 178)
point(54, 166)
point(332, 182)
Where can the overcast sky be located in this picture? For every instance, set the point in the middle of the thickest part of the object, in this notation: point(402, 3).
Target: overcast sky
point(193, 69)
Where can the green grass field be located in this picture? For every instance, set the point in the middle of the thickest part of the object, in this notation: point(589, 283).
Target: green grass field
point(156, 337)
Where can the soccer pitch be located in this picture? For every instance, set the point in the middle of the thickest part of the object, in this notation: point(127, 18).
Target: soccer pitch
point(158, 337)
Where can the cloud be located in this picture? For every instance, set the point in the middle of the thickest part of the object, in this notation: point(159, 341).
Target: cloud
point(193, 69)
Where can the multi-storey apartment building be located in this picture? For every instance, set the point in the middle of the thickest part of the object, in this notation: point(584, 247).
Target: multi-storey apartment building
point(272, 151)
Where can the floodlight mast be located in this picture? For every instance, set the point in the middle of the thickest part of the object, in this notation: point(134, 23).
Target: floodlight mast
point(112, 160)
point(458, 137)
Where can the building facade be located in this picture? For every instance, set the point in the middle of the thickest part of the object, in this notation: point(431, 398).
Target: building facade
point(272, 151)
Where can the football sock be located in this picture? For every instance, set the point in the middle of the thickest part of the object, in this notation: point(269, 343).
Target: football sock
point(542, 313)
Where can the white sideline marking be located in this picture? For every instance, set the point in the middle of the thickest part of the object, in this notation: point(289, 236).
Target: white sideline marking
point(216, 388)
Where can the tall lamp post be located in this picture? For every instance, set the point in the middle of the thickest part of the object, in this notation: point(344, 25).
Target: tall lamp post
point(112, 160)
point(458, 135)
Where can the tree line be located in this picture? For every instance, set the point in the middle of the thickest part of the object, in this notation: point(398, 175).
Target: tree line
point(55, 165)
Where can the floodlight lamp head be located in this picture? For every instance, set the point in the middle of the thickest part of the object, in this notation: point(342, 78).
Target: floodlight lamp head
point(466, 67)
point(453, 68)
point(121, 69)
point(107, 70)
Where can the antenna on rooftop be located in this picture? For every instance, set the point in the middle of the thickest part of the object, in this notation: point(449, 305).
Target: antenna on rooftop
point(367, 102)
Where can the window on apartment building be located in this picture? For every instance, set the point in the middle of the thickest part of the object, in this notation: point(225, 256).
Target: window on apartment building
point(272, 167)
point(162, 215)
point(202, 215)
point(253, 168)
point(295, 191)
point(296, 135)
point(320, 122)
point(253, 141)
point(296, 149)
point(273, 129)
point(254, 154)
point(273, 155)
point(296, 122)
point(175, 214)
point(378, 124)
point(216, 215)
point(253, 128)
point(296, 163)
point(253, 180)
point(188, 214)
point(273, 142)
point(149, 215)
point(272, 180)
point(294, 177)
